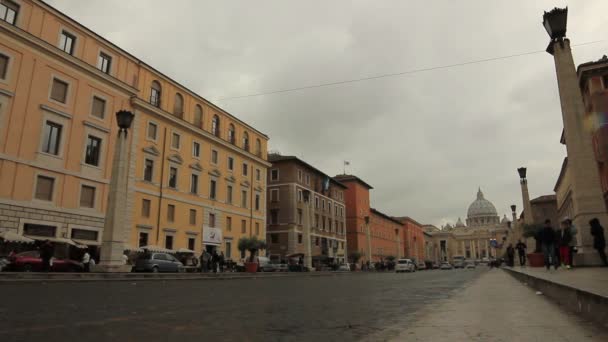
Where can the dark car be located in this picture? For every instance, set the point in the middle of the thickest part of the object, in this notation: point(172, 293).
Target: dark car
point(31, 261)
point(158, 262)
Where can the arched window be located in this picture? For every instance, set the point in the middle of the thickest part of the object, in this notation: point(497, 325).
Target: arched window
point(215, 126)
point(258, 147)
point(198, 116)
point(178, 106)
point(246, 141)
point(155, 93)
point(231, 134)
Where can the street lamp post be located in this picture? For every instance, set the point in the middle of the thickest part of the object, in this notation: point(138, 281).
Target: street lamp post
point(112, 246)
point(586, 193)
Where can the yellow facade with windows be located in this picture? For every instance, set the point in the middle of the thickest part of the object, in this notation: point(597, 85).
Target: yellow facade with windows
point(60, 85)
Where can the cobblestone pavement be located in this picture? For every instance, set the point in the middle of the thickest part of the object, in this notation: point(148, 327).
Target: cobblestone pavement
point(496, 307)
point(332, 308)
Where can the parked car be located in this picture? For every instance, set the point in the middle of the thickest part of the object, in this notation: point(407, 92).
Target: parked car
point(421, 266)
point(470, 265)
point(280, 267)
point(158, 262)
point(445, 266)
point(435, 265)
point(31, 261)
point(405, 265)
point(344, 268)
point(264, 265)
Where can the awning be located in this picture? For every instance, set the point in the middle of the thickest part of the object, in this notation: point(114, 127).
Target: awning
point(57, 240)
point(157, 249)
point(185, 250)
point(9, 236)
point(86, 242)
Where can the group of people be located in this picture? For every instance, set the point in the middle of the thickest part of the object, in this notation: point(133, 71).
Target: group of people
point(558, 246)
point(213, 261)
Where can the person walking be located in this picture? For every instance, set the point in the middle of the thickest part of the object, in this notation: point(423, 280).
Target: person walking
point(599, 241)
point(214, 261)
point(204, 261)
point(521, 252)
point(547, 240)
point(564, 239)
point(86, 259)
point(222, 262)
point(301, 264)
point(510, 255)
point(46, 253)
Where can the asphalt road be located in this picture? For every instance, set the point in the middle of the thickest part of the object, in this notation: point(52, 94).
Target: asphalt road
point(329, 308)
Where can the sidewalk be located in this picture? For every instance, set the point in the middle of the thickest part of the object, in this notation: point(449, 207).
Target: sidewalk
point(496, 307)
point(589, 279)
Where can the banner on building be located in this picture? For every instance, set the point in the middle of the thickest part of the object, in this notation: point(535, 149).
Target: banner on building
point(212, 236)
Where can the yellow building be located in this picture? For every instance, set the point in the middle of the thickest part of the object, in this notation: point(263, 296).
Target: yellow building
point(194, 169)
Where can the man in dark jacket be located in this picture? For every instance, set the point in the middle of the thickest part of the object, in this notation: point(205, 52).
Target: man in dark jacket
point(547, 240)
point(510, 255)
point(599, 242)
point(521, 252)
point(564, 238)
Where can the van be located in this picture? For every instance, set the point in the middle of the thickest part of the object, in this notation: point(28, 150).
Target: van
point(264, 265)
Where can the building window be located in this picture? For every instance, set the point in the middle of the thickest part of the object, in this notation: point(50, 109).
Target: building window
point(155, 93)
point(93, 151)
point(192, 217)
point(170, 212)
point(299, 175)
point(145, 208)
point(213, 156)
point(104, 62)
point(257, 202)
point(59, 91)
point(300, 238)
point(152, 129)
point(196, 149)
point(231, 134)
point(274, 238)
point(229, 194)
point(9, 11)
point(274, 216)
point(258, 174)
point(244, 198)
point(148, 170)
point(173, 177)
point(66, 42)
point(87, 196)
point(243, 226)
point(316, 223)
point(169, 242)
point(230, 164)
point(274, 195)
point(191, 243)
point(299, 195)
point(317, 202)
point(143, 239)
point(215, 126)
point(228, 249)
point(178, 105)
point(98, 108)
point(229, 223)
point(300, 216)
point(316, 241)
point(258, 147)
point(3, 65)
point(211, 220)
point(307, 179)
point(44, 188)
point(52, 138)
point(194, 184)
point(245, 169)
point(212, 189)
point(198, 116)
point(175, 141)
point(274, 174)
point(246, 141)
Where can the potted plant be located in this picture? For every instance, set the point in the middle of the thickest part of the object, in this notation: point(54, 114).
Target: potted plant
point(253, 245)
point(536, 258)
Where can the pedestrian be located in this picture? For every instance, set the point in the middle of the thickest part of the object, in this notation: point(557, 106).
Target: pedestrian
point(572, 247)
point(125, 258)
point(510, 255)
point(46, 253)
point(222, 261)
point(599, 242)
point(521, 252)
point(204, 261)
point(301, 263)
point(214, 261)
point(564, 239)
point(547, 240)
point(86, 259)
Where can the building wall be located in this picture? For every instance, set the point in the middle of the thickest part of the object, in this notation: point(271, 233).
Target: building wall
point(385, 237)
point(35, 58)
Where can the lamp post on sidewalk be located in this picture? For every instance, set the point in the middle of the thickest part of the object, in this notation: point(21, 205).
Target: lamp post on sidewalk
point(112, 246)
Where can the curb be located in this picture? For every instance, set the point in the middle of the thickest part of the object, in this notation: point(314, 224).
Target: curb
point(591, 306)
point(18, 277)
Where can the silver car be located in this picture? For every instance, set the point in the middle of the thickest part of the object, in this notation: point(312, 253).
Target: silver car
point(158, 262)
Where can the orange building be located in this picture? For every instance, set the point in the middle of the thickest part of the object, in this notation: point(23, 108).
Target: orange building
point(197, 174)
point(413, 235)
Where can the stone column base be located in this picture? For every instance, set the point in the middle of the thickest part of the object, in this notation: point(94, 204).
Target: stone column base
point(108, 268)
point(587, 258)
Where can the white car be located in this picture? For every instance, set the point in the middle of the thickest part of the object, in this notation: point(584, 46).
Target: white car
point(445, 266)
point(470, 265)
point(344, 268)
point(405, 265)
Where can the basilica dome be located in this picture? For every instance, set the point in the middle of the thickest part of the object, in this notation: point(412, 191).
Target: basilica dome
point(481, 212)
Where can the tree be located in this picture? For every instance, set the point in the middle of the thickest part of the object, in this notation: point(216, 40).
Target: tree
point(355, 256)
point(251, 244)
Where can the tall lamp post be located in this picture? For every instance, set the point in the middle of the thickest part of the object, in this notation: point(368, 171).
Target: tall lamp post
point(586, 194)
point(112, 246)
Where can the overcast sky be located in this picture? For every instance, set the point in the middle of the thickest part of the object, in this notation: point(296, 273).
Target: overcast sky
point(424, 141)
